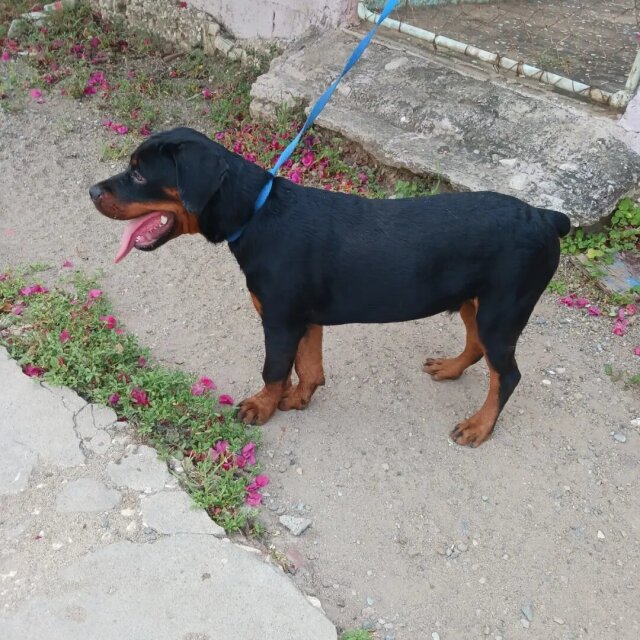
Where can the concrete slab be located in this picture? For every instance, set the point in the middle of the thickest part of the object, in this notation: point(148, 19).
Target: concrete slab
point(188, 586)
point(34, 423)
point(86, 495)
point(476, 129)
point(173, 512)
point(140, 470)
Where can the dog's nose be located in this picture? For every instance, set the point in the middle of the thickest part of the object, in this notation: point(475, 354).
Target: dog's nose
point(96, 192)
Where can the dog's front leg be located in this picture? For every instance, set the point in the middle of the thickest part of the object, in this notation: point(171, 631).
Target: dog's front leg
point(281, 344)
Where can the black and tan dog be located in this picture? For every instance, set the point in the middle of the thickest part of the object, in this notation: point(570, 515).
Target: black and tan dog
point(313, 258)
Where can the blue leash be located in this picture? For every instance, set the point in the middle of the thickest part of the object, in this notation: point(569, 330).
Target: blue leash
point(315, 112)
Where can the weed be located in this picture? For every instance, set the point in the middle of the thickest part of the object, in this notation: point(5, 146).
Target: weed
point(71, 338)
point(356, 634)
point(558, 287)
point(622, 234)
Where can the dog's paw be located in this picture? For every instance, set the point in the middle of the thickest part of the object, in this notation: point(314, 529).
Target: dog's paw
point(259, 408)
point(443, 368)
point(295, 398)
point(472, 432)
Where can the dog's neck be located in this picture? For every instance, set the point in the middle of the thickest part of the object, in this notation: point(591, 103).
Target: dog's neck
point(233, 206)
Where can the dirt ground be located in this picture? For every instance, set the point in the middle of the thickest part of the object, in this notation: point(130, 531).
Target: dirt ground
point(591, 41)
point(535, 534)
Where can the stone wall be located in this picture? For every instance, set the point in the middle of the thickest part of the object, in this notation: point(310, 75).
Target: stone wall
point(185, 27)
point(214, 24)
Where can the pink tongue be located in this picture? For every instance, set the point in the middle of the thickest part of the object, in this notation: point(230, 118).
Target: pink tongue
point(132, 230)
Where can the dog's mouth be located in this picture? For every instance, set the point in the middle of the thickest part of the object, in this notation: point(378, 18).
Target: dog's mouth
point(146, 233)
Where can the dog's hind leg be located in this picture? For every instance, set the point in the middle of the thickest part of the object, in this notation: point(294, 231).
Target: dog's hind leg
point(281, 344)
point(309, 369)
point(500, 322)
point(452, 368)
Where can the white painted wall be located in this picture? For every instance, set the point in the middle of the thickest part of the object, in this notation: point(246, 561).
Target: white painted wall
point(249, 19)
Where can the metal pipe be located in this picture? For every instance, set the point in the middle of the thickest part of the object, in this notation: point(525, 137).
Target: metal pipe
point(620, 99)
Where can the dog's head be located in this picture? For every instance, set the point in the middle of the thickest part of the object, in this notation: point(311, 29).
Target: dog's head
point(171, 180)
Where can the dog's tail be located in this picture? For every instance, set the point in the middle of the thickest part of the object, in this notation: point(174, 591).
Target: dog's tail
point(560, 221)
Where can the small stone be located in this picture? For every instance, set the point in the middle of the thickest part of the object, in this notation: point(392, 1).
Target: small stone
point(462, 547)
point(558, 621)
point(485, 498)
point(620, 437)
point(347, 465)
point(508, 162)
point(385, 466)
point(635, 422)
point(600, 535)
point(396, 63)
point(367, 625)
point(299, 471)
point(389, 636)
point(525, 623)
point(127, 513)
point(546, 382)
point(370, 602)
point(132, 526)
point(297, 526)
point(435, 636)
point(527, 611)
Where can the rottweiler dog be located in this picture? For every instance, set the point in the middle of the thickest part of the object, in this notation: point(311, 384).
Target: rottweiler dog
point(313, 257)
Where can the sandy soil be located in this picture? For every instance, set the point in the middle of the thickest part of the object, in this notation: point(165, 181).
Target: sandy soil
point(411, 535)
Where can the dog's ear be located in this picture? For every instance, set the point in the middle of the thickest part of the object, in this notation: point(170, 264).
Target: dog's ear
point(200, 172)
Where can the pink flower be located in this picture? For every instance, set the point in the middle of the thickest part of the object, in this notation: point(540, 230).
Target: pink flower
point(219, 135)
point(261, 481)
point(207, 382)
point(119, 331)
point(95, 42)
point(33, 289)
point(110, 321)
point(251, 157)
point(308, 158)
point(6, 56)
point(593, 310)
point(568, 301)
point(121, 129)
point(631, 309)
point(619, 328)
point(237, 148)
point(17, 309)
point(65, 336)
point(94, 293)
point(636, 351)
point(226, 399)
point(67, 264)
point(145, 130)
point(249, 453)
point(114, 399)
point(295, 175)
point(219, 449)
point(32, 371)
point(142, 362)
point(207, 93)
point(139, 396)
point(182, 4)
point(36, 94)
point(581, 303)
point(253, 499)
point(89, 91)
point(4, 276)
point(363, 177)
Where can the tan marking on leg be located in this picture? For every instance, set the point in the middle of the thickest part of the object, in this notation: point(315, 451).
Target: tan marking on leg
point(452, 368)
point(309, 369)
point(256, 303)
point(475, 430)
point(259, 408)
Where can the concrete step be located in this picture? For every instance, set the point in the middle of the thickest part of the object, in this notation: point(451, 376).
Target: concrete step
point(473, 127)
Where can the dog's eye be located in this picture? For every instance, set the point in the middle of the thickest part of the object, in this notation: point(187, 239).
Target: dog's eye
point(137, 176)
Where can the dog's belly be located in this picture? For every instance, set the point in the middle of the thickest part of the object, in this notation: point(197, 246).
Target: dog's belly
point(387, 306)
